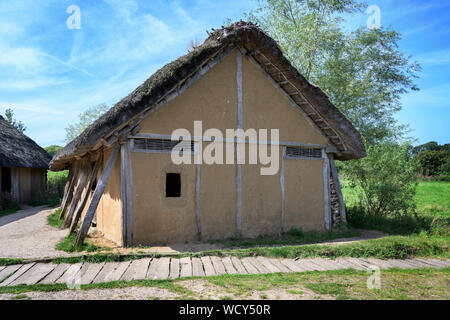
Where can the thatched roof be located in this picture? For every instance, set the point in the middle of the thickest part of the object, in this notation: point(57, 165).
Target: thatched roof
point(265, 51)
point(17, 150)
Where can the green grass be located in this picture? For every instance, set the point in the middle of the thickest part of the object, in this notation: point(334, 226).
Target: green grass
point(67, 245)
point(12, 209)
point(53, 219)
point(10, 261)
point(433, 198)
point(294, 236)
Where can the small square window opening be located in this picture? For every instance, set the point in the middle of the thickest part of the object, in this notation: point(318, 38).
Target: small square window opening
point(173, 185)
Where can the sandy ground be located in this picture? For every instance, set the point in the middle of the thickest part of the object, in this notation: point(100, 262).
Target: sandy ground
point(26, 234)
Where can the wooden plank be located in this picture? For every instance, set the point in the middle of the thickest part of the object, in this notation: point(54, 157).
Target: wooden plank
point(218, 265)
point(277, 263)
point(85, 197)
point(2, 267)
point(186, 267)
point(137, 270)
point(105, 272)
point(327, 264)
point(350, 265)
point(174, 268)
point(99, 189)
point(118, 272)
point(8, 270)
point(35, 274)
point(382, 264)
point(400, 264)
point(249, 266)
point(258, 265)
point(91, 272)
point(70, 275)
point(417, 263)
point(68, 197)
point(208, 266)
point(159, 269)
point(126, 190)
point(266, 263)
point(226, 261)
point(238, 265)
point(197, 267)
point(81, 184)
point(24, 268)
point(310, 265)
point(53, 276)
point(435, 263)
point(295, 267)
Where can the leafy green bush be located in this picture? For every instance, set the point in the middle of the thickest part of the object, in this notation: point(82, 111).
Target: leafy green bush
point(386, 178)
point(432, 163)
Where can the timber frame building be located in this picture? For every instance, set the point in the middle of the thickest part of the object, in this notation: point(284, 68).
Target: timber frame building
point(121, 171)
point(23, 165)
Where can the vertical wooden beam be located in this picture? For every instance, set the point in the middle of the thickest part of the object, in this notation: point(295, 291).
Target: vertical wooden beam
point(87, 192)
point(78, 191)
point(326, 190)
point(126, 182)
point(197, 203)
point(99, 189)
point(337, 182)
point(238, 155)
point(282, 189)
point(15, 185)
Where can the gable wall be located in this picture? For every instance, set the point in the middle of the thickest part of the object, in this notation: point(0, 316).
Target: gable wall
point(213, 99)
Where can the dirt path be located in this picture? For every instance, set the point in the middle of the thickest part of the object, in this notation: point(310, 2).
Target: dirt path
point(27, 234)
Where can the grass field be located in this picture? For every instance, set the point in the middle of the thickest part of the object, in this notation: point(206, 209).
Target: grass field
point(432, 198)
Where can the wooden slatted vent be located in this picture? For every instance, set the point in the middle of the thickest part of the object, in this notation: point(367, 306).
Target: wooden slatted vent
point(162, 145)
point(309, 153)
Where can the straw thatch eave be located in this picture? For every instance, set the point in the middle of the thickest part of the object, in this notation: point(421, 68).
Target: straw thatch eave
point(340, 132)
point(17, 150)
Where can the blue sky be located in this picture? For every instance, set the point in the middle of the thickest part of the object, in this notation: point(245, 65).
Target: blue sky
point(49, 73)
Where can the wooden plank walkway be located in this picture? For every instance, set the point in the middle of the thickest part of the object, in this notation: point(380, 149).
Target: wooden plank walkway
point(173, 268)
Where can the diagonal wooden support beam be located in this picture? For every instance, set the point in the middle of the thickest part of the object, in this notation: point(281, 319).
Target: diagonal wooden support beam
point(99, 189)
point(73, 175)
point(82, 180)
point(84, 198)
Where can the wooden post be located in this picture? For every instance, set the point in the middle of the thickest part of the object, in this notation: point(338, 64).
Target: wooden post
point(15, 188)
point(126, 194)
point(99, 189)
point(338, 188)
point(66, 187)
point(84, 198)
point(83, 177)
point(68, 196)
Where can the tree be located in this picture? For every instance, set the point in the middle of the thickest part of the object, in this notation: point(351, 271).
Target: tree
point(432, 162)
point(85, 119)
point(364, 74)
point(429, 146)
point(362, 71)
point(52, 150)
point(19, 125)
point(386, 178)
